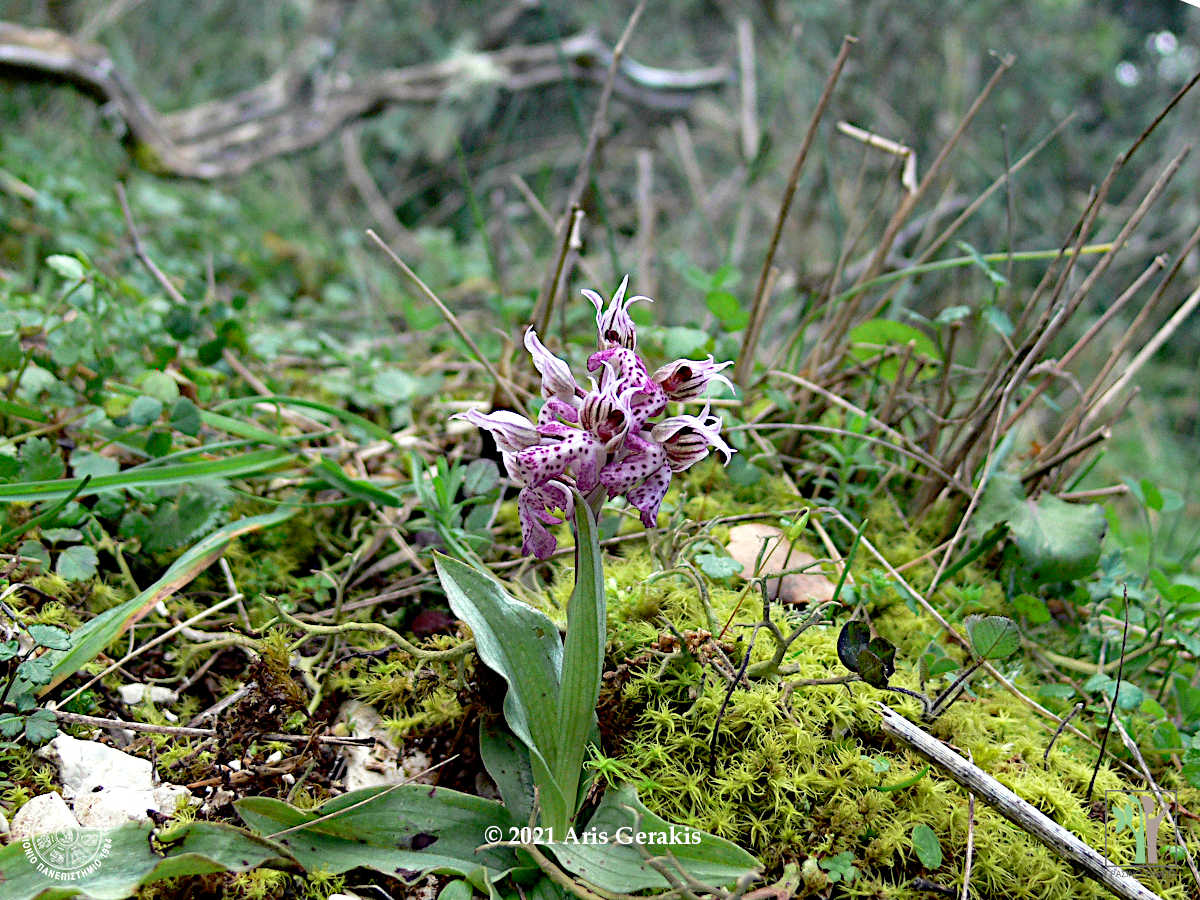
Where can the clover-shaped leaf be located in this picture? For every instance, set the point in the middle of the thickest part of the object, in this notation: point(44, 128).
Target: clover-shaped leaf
point(38, 670)
point(40, 727)
point(993, 637)
point(50, 636)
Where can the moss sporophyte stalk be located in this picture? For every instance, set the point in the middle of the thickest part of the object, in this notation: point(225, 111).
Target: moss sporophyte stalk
point(602, 441)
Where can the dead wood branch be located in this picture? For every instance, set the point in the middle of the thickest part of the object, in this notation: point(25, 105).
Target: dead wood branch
point(287, 113)
point(1021, 813)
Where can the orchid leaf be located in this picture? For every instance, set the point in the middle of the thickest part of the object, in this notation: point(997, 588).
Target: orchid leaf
point(403, 831)
point(522, 646)
point(128, 857)
point(616, 865)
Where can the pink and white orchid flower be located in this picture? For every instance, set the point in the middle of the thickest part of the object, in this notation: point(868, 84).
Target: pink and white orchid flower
point(602, 438)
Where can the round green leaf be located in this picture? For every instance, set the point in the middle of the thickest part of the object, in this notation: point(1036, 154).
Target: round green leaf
point(76, 563)
point(185, 417)
point(40, 727)
point(993, 637)
point(927, 846)
point(145, 409)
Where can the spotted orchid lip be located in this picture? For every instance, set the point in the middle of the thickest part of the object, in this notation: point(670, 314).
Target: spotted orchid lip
point(603, 437)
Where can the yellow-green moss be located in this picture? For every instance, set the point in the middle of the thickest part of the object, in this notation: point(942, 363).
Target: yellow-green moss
point(797, 781)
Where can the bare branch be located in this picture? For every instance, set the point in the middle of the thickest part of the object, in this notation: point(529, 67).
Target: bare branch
point(292, 110)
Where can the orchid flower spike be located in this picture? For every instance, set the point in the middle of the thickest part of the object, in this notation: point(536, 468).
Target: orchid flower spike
point(601, 441)
point(614, 325)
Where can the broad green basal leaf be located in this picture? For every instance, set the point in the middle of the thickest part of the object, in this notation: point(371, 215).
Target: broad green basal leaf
point(1060, 541)
point(615, 865)
point(124, 859)
point(402, 831)
point(521, 645)
point(507, 761)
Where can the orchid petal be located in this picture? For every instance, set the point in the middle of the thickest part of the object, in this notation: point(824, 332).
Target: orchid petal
point(533, 506)
point(557, 380)
point(578, 452)
point(553, 412)
point(644, 459)
point(607, 415)
point(615, 327)
point(688, 439)
point(511, 431)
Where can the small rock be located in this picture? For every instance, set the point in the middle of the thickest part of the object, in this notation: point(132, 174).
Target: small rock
point(218, 798)
point(426, 890)
point(109, 787)
point(133, 694)
point(44, 814)
point(383, 763)
point(119, 806)
point(84, 766)
point(275, 757)
point(745, 543)
point(3, 824)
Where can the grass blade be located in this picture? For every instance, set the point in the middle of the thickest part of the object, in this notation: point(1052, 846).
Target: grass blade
point(90, 640)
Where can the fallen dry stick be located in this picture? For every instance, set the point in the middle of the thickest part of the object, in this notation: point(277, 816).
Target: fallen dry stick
point(1013, 808)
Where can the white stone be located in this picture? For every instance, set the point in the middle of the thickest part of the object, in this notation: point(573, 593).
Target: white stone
point(113, 807)
point(84, 766)
point(275, 757)
point(44, 814)
point(3, 824)
point(135, 693)
point(108, 787)
point(382, 764)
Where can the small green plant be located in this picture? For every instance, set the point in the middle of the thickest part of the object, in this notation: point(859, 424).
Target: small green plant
point(840, 867)
point(873, 659)
point(24, 672)
point(457, 501)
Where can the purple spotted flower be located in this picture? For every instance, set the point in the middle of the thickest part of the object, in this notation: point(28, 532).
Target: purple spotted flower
point(602, 441)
